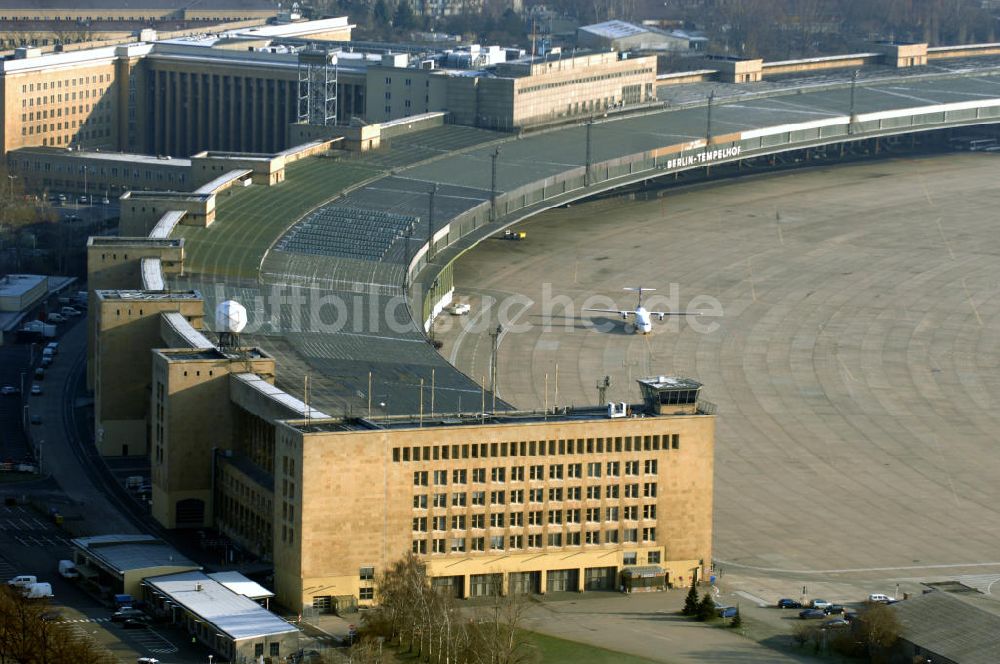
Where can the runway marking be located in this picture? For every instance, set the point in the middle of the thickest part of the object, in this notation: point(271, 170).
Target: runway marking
point(972, 304)
point(927, 194)
point(944, 239)
point(777, 224)
point(851, 570)
point(752, 598)
point(753, 289)
point(904, 96)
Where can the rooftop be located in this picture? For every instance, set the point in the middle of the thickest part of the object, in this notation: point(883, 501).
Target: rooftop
point(211, 354)
point(670, 383)
point(241, 585)
point(135, 5)
point(615, 29)
point(16, 285)
point(447, 420)
point(145, 295)
point(96, 155)
point(950, 627)
point(123, 553)
point(235, 615)
point(116, 241)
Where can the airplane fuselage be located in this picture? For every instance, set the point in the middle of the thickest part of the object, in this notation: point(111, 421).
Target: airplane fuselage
point(643, 322)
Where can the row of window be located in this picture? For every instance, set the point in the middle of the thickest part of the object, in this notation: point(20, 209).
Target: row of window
point(557, 539)
point(535, 518)
point(538, 472)
point(536, 495)
point(586, 79)
point(71, 82)
point(609, 445)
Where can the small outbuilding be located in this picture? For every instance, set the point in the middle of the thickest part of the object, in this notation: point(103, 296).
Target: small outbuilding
point(646, 578)
point(232, 624)
point(119, 563)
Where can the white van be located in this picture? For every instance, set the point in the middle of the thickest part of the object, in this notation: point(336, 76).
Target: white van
point(879, 598)
point(38, 591)
point(23, 581)
point(55, 318)
point(68, 570)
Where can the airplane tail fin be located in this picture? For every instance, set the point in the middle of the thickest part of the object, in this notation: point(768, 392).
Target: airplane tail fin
point(640, 290)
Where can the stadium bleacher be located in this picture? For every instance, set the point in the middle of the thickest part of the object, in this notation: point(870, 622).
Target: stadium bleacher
point(347, 232)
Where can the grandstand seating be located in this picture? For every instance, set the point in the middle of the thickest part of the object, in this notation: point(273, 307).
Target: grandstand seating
point(348, 232)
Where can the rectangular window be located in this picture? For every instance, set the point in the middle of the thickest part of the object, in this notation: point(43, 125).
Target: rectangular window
point(478, 544)
point(420, 524)
point(594, 492)
point(574, 493)
point(611, 491)
point(479, 475)
point(649, 534)
point(555, 539)
point(574, 470)
point(515, 542)
point(439, 523)
point(653, 558)
point(420, 501)
point(594, 514)
point(496, 542)
point(517, 497)
point(555, 517)
point(611, 537)
point(594, 469)
point(366, 574)
point(420, 478)
point(535, 541)
point(457, 544)
point(555, 494)
point(496, 519)
point(537, 473)
point(593, 537)
point(497, 497)
point(631, 490)
point(629, 558)
point(458, 500)
point(517, 474)
point(535, 518)
point(516, 519)
point(440, 500)
point(631, 467)
point(440, 477)
point(556, 472)
point(479, 521)
point(458, 522)
point(419, 547)
point(366, 593)
point(572, 516)
point(631, 535)
point(649, 512)
point(478, 497)
point(613, 467)
point(573, 538)
point(498, 474)
point(631, 512)
point(439, 546)
point(536, 495)
point(458, 476)
point(649, 489)
point(650, 466)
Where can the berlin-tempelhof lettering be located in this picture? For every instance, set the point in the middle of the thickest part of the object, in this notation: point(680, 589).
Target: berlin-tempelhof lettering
point(705, 157)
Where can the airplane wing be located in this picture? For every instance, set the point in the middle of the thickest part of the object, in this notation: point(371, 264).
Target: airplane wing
point(618, 312)
point(660, 314)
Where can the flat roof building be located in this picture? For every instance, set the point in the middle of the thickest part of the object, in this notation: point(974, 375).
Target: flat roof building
point(123, 561)
point(225, 620)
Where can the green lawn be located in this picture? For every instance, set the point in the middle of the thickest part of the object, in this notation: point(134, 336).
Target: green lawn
point(553, 649)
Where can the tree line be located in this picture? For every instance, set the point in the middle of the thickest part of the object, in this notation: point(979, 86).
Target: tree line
point(30, 633)
point(428, 622)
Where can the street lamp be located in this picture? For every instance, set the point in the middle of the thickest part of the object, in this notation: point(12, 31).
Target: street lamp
point(11, 178)
point(854, 84)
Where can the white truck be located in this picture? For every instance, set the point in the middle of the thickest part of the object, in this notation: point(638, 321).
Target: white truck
point(38, 591)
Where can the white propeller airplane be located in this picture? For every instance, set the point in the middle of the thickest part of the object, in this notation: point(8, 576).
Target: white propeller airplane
point(643, 318)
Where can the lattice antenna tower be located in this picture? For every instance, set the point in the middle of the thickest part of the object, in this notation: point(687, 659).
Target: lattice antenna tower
point(317, 94)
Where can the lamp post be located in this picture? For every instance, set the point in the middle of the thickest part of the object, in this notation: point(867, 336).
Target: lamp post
point(586, 173)
point(708, 128)
point(11, 178)
point(854, 85)
point(493, 186)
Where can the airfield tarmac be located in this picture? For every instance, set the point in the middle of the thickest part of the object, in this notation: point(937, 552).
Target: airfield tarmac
point(855, 366)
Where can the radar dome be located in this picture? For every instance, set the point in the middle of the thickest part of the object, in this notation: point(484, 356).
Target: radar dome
point(230, 317)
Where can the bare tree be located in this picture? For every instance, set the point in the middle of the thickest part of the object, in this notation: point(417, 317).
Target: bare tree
point(26, 637)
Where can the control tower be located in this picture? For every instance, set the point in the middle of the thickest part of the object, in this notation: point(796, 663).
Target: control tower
point(669, 395)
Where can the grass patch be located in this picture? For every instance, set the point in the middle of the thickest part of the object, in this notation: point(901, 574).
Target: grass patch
point(553, 649)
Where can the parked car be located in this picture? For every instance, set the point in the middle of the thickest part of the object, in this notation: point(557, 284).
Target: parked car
point(727, 611)
point(833, 609)
point(69, 312)
point(835, 623)
point(36, 389)
point(125, 613)
point(879, 598)
point(46, 362)
point(808, 614)
point(55, 318)
point(82, 200)
point(40, 371)
point(459, 309)
point(8, 390)
point(819, 604)
point(36, 419)
point(53, 346)
point(135, 623)
point(786, 603)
